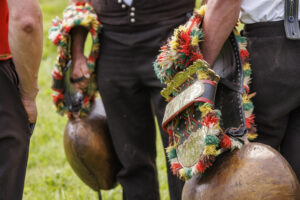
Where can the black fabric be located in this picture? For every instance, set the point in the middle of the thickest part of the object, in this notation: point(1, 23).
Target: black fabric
point(14, 135)
point(145, 11)
point(131, 93)
point(275, 63)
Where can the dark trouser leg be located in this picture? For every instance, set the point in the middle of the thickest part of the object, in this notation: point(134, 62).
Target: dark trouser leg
point(132, 129)
point(125, 62)
point(14, 139)
point(276, 69)
point(153, 87)
point(290, 146)
point(175, 184)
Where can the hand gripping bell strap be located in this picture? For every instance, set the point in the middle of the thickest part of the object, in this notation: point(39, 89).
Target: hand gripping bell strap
point(77, 14)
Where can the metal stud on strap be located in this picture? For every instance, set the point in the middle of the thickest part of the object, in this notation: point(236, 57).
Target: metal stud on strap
point(291, 22)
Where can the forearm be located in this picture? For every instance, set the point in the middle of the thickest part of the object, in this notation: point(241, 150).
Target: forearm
point(26, 43)
point(79, 62)
point(78, 35)
point(220, 18)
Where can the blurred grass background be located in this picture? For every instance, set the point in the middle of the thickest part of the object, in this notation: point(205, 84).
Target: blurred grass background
point(49, 176)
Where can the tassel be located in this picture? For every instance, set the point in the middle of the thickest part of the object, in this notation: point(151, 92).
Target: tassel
point(210, 150)
point(200, 167)
point(244, 54)
point(225, 142)
point(187, 173)
point(250, 121)
point(212, 140)
point(210, 120)
point(248, 106)
point(252, 136)
point(175, 167)
point(171, 153)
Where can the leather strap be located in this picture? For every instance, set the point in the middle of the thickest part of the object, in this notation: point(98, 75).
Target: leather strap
point(231, 85)
point(200, 91)
point(291, 23)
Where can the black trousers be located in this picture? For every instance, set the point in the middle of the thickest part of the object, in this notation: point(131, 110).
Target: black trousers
point(275, 62)
point(14, 135)
point(131, 95)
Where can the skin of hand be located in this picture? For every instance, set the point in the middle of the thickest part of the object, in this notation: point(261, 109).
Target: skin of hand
point(79, 61)
point(26, 45)
point(220, 18)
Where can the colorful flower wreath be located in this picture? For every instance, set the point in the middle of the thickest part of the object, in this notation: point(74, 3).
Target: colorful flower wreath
point(181, 66)
point(77, 14)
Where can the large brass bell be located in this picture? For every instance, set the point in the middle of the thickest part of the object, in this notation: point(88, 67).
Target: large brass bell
point(89, 149)
point(255, 172)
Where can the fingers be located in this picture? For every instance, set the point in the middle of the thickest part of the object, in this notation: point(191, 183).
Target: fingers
point(80, 74)
point(81, 86)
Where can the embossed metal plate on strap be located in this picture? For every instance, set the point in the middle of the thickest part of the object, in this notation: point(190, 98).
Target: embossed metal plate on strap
point(191, 149)
point(181, 101)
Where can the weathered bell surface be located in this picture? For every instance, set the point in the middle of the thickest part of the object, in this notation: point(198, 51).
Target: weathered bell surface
point(89, 150)
point(255, 172)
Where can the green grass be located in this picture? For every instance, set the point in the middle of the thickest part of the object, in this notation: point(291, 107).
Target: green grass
point(49, 176)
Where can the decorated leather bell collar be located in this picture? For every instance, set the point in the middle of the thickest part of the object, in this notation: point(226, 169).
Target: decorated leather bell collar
point(199, 98)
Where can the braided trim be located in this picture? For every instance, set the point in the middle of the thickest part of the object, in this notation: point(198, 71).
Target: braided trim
point(247, 103)
point(76, 14)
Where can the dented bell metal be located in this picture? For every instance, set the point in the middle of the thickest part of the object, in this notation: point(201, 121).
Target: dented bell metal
point(89, 149)
point(255, 172)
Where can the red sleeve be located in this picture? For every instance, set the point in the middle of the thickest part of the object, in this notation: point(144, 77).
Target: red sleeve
point(4, 46)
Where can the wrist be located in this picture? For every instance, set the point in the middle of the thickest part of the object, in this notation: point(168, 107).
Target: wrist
point(29, 96)
point(78, 57)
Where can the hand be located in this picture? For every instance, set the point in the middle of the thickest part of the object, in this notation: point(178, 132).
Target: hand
point(30, 107)
point(80, 70)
